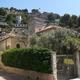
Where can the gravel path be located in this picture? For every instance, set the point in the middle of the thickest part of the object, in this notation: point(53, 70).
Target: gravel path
point(10, 76)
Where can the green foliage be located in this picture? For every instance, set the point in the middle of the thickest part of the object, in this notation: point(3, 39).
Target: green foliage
point(66, 39)
point(73, 21)
point(33, 41)
point(25, 18)
point(43, 41)
point(51, 18)
point(34, 11)
point(64, 21)
point(25, 11)
point(79, 21)
point(63, 41)
point(36, 59)
point(7, 29)
point(3, 12)
point(10, 19)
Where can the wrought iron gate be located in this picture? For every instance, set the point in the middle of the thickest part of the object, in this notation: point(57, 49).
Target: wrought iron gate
point(66, 68)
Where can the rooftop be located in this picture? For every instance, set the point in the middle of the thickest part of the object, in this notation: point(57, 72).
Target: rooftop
point(44, 29)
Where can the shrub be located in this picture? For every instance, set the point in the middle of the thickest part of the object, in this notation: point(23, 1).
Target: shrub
point(36, 59)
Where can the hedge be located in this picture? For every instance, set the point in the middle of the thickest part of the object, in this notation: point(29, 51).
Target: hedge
point(36, 59)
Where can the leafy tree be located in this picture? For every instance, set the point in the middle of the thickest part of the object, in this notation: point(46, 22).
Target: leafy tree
point(79, 21)
point(10, 19)
point(64, 20)
point(12, 8)
point(73, 21)
point(43, 41)
point(35, 11)
point(3, 12)
point(33, 41)
point(56, 16)
point(51, 17)
point(25, 19)
point(63, 41)
point(25, 11)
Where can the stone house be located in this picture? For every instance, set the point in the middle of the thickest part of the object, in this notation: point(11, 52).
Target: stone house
point(12, 42)
point(17, 38)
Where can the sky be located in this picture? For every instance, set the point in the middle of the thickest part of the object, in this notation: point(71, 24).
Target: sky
point(56, 6)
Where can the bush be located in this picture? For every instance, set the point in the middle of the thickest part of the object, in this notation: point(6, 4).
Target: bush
point(36, 59)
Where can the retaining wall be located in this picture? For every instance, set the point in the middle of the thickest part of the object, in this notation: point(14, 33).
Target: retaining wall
point(30, 75)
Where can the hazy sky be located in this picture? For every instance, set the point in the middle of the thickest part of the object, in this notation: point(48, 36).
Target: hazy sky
point(56, 6)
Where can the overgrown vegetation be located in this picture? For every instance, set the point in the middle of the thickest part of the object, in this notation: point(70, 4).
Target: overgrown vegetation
point(36, 59)
point(63, 41)
point(3, 12)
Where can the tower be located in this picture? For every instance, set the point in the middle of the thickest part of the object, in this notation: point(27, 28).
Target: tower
point(18, 20)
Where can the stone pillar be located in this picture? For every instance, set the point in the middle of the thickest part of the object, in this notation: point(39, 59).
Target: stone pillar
point(28, 41)
point(54, 65)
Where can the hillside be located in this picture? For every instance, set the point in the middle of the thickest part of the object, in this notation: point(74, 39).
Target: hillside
point(37, 18)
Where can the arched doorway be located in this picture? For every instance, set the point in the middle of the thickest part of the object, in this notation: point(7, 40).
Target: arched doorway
point(17, 45)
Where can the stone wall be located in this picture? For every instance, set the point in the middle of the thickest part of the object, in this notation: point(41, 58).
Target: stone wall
point(78, 63)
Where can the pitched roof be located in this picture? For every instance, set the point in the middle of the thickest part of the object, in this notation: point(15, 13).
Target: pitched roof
point(51, 27)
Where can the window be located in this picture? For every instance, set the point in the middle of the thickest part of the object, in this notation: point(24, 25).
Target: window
point(17, 45)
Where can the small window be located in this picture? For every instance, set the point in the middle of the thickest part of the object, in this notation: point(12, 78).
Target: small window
point(17, 45)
